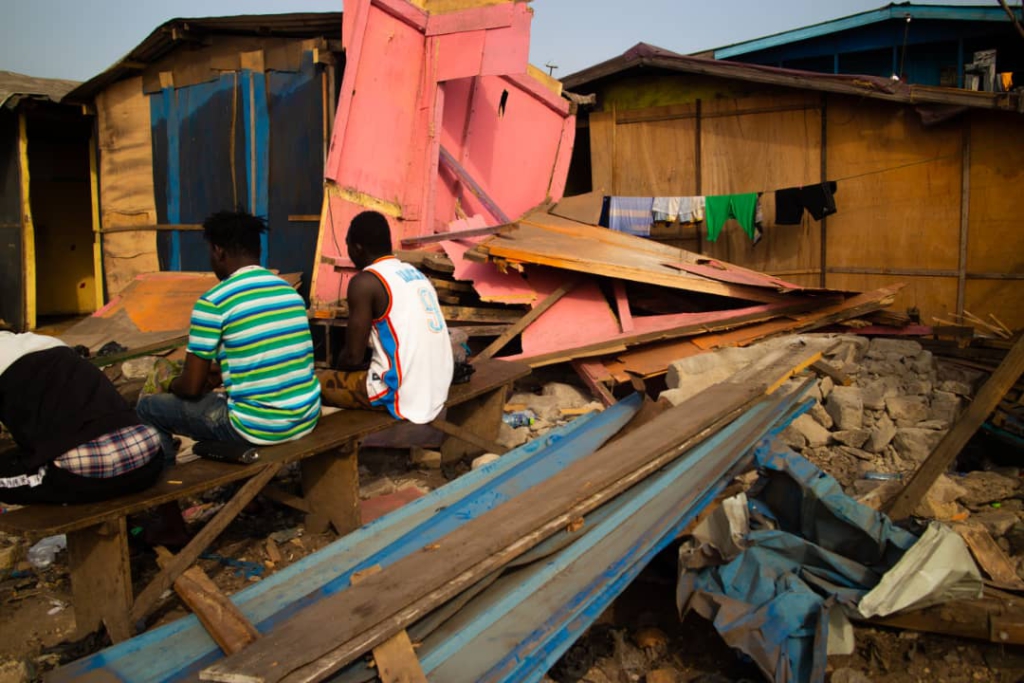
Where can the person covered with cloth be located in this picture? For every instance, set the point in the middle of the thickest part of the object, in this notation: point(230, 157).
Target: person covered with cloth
point(249, 332)
point(76, 438)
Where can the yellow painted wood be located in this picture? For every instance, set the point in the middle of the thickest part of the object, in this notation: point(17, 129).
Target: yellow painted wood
point(443, 6)
point(548, 81)
point(324, 227)
point(388, 208)
point(28, 235)
point(97, 243)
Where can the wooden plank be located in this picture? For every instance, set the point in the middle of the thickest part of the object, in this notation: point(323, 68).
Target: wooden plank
point(395, 660)
point(990, 556)
point(1005, 376)
point(602, 152)
point(599, 390)
point(157, 227)
point(219, 616)
point(330, 485)
point(174, 567)
point(965, 215)
point(101, 583)
point(583, 208)
point(521, 324)
point(470, 314)
point(97, 226)
point(331, 633)
point(413, 242)
point(826, 370)
point(453, 165)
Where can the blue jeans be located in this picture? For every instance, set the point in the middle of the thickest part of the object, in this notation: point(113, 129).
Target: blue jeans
point(205, 419)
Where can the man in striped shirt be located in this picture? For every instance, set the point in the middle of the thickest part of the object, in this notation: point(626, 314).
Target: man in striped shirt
point(251, 332)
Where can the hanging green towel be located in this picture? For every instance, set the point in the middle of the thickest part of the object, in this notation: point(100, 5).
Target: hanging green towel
point(742, 207)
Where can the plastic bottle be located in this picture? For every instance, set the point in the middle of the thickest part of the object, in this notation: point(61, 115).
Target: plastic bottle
point(43, 553)
point(520, 418)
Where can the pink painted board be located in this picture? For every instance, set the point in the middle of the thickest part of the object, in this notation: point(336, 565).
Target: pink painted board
point(489, 282)
point(622, 306)
point(506, 51)
point(479, 19)
point(460, 55)
point(660, 323)
point(726, 272)
point(581, 317)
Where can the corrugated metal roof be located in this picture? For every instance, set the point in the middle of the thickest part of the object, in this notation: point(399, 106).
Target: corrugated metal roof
point(15, 87)
point(894, 11)
point(643, 55)
point(177, 31)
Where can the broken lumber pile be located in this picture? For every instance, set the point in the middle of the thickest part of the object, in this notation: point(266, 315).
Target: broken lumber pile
point(442, 556)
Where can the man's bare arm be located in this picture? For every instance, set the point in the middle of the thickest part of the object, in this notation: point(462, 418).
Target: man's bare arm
point(364, 294)
point(191, 383)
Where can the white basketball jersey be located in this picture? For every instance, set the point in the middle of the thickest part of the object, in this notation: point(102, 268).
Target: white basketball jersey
point(412, 364)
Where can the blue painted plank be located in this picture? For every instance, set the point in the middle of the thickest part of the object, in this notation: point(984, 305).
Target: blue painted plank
point(261, 144)
point(179, 650)
point(171, 118)
point(516, 631)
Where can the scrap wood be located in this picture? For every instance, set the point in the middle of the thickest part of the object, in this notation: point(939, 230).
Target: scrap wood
point(1001, 324)
point(219, 616)
point(322, 638)
point(988, 398)
point(998, 331)
point(455, 235)
point(990, 556)
point(543, 239)
point(825, 369)
point(991, 618)
point(395, 659)
point(521, 324)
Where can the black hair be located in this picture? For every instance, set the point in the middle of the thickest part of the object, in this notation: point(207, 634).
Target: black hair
point(370, 229)
point(236, 232)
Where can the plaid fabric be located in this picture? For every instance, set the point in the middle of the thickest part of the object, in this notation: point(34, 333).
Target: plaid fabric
point(112, 454)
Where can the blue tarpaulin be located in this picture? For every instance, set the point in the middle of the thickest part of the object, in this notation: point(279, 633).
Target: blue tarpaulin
point(772, 601)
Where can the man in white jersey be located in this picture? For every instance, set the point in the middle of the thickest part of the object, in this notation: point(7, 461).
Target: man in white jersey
point(393, 310)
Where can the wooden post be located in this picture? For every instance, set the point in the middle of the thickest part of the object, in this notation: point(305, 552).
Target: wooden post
point(28, 231)
point(97, 227)
point(965, 215)
point(524, 322)
point(101, 583)
point(984, 403)
point(824, 179)
point(481, 416)
point(698, 172)
point(330, 485)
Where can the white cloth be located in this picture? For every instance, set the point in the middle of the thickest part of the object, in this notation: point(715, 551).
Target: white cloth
point(411, 368)
point(683, 209)
point(14, 346)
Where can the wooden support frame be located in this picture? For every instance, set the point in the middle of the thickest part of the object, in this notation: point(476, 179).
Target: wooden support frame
point(324, 476)
point(28, 232)
point(984, 403)
point(524, 322)
point(97, 225)
point(101, 584)
point(965, 216)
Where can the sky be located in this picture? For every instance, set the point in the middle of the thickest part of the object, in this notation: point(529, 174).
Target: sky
point(77, 39)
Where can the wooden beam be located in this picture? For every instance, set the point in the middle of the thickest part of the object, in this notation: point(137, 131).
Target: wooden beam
point(1005, 376)
point(990, 556)
point(462, 174)
point(304, 218)
point(524, 322)
point(219, 616)
point(395, 659)
point(413, 242)
point(97, 225)
point(187, 227)
point(183, 560)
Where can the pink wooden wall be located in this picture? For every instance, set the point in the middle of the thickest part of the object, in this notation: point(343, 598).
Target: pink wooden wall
point(415, 82)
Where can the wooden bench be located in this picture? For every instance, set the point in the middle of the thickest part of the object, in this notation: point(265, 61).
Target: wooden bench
point(97, 533)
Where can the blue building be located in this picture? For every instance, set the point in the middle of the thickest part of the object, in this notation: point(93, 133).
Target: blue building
point(921, 44)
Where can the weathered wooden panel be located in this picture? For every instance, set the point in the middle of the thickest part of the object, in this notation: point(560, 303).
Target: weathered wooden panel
point(126, 182)
point(995, 236)
point(899, 188)
point(656, 158)
point(1004, 298)
point(763, 152)
point(602, 152)
point(933, 296)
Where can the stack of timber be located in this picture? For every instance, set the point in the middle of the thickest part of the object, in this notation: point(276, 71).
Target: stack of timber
point(497, 573)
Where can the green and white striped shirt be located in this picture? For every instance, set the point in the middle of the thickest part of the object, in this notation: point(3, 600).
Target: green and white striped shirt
point(255, 325)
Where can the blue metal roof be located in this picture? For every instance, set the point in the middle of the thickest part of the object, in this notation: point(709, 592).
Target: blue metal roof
point(898, 11)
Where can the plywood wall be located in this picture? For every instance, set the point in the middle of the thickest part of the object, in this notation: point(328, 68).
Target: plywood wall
point(995, 232)
point(126, 183)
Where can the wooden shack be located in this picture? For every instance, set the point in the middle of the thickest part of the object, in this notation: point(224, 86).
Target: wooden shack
point(207, 115)
point(49, 258)
point(928, 178)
